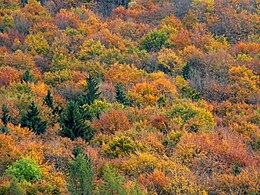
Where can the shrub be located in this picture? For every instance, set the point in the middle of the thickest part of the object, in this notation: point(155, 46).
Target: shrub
point(25, 170)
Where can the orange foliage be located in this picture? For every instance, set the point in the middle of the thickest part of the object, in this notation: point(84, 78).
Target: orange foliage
point(66, 19)
point(112, 40)
point(148, 93)
point(111, 122)
point(19, 60)
point(124, 74)
point(226, 147)
point(8, 75)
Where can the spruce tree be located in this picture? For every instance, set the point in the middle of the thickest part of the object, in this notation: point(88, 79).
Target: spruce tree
point(91, 91)
point(5, 116)
point(120, 95)
point(73, 123)
point(113, 183)
point(81, 176)
point(48, 100)
point(27, 77)
point(33, 121)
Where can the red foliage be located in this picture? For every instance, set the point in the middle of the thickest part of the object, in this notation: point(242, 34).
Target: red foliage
point(111, 122)
point(8, 75)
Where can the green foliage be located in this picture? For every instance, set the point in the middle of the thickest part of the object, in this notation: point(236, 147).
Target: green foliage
point(186, 71)
point(25, 170)
point(77, 150)
point(27, 77)
point(188, 92)
point(135, 189)
point(120, 146)
point(48, 100)
point(236, 169)
point(73, 124)
point(120, 95)
point(8, 22)
point(91, 50)
point(113, 183)
point(150, 74)
point(59, 62)
point(96, 109)
point(16, 188)
point(57, 77)
point(81, 176)
point(33, 121)
point(4, 190)
point(154, 41)
point(172, 139)
point(37, 44)
point(192, 117)
point(6, 118)
point(161, 101)
point(90, 92)
point(183, 111)
point(4, 129)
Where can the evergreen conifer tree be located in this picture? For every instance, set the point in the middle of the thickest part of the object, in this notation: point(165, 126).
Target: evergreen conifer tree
point(120, 95)
point(5, 116)
point(81, 176)
point(48, 100)
point(27, 77)
point(73, 123)
point(113, 183)
point(91, 91)
point(33, 121)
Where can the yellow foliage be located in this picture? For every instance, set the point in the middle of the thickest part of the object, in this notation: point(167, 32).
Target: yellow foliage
point(127, 75)
point(148, 93)
point(39, 89)
point(169, 62)
point(37, 44)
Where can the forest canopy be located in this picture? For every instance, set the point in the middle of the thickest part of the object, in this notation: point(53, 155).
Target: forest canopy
point(129, 97)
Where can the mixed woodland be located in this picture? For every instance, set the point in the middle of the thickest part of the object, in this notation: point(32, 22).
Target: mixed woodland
point(123, 97)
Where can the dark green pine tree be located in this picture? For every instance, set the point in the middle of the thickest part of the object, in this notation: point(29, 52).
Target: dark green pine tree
point(72, 123)
point(120, 95)
point(27, 77)
point(81, 176)
point(91, 91)
point(6, 118)
point(33, 121)
point(48, 100)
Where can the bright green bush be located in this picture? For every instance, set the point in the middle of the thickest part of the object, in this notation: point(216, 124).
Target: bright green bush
point(25, 170)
